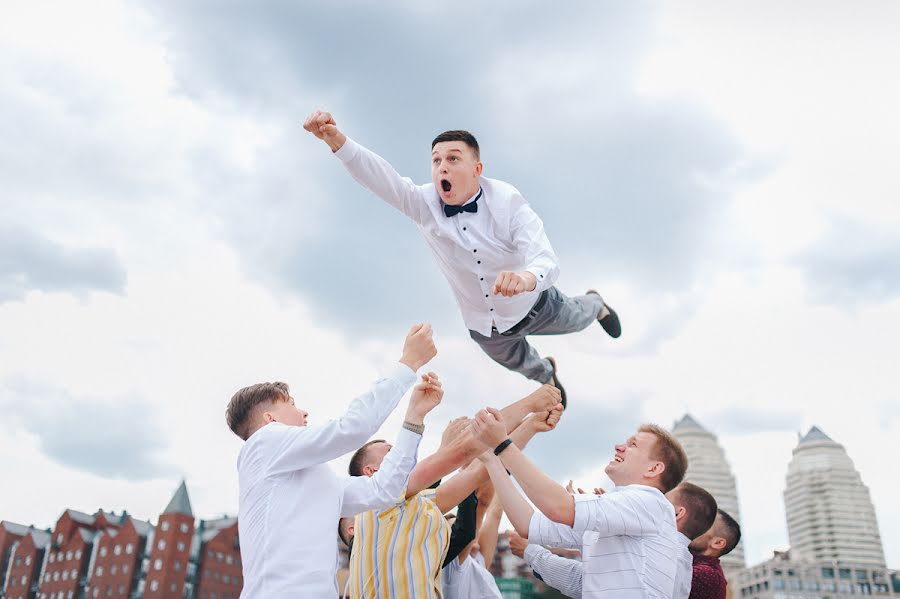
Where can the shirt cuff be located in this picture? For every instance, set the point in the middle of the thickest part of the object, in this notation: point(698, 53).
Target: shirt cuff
point(532, 553)
point(407, 442)
point(348, 151)
point(403, 374)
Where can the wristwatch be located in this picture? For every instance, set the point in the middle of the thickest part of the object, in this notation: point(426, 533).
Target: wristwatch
point(416, 428)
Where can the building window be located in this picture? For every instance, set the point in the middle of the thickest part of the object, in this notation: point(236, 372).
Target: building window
point(52, 558)
point(124, 568)
point(173, 587)
point(228, 559)
point(177, 566)
point(78, 554)
point(161, 545)
point(24, 580)
point(99, 571)
point(27, 560)
point(117, 550)
point(103, 552)
point(112, 570)
point(68, 555)
point(65, 575)
point(59, 539)
point(157, 565)
point(129, 548)
point(74, 574)
point(154, 584)
point(164, 525)
point(180, 546)
point(121, 589)
point(184, 528)
point(56, 576)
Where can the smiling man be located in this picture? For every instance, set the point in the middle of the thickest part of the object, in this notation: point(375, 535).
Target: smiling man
point(627, 536)
point(487, 241)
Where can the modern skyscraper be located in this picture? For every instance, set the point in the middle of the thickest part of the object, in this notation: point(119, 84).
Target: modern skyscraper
point(829, 512)
point(708, 468)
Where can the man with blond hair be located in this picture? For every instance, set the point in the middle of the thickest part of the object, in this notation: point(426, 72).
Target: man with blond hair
point(627, 536)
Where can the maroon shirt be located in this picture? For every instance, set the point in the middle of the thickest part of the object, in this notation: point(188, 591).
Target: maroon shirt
point(708, 581)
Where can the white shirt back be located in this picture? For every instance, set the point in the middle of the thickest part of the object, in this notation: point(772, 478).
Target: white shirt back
point(469, 580)
point(685, 569)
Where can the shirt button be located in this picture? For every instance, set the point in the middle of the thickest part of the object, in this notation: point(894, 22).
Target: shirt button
point(464, 228)
point(474, 250)
point(482, 278)
point(479, 262)
point(485, 295)
point(492, 309)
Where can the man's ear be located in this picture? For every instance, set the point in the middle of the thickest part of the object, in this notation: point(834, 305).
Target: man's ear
point(268, 417)
point(680, 513)
point(718, 543)
point(351, 530)
point(479, 167)
point(369, 470)
point(655, 470)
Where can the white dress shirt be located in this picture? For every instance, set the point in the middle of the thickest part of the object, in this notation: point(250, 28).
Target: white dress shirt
point(627, 538)
point(685, 568)
point(469, 580)
point(470, 248)
point(562, 573)
point(291, 500)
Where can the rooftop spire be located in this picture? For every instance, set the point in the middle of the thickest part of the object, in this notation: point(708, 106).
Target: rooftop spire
point(180, 503)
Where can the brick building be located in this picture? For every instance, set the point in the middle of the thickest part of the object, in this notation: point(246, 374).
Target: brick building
point(90, 556)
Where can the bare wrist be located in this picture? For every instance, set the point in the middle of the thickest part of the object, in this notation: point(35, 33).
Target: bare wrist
point(336, 142)
point(413, 417)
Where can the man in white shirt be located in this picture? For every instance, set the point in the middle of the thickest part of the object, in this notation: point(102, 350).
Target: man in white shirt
point(488, 242)
point(695, 511)
point(290, 500)
point(627, 536)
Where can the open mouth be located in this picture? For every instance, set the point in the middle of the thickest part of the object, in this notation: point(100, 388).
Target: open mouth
point(618, 459)
point(445, 185)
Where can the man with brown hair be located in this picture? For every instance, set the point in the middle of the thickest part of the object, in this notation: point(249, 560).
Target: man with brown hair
point(695, 509)
point(627, 536)
point(290, 500)
point(488, 242)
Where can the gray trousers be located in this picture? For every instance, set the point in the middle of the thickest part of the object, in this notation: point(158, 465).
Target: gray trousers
point(556, 315)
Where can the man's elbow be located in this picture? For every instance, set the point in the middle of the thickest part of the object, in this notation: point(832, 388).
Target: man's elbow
point(562, 514)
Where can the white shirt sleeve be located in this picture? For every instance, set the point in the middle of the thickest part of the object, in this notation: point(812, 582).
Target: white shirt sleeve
point(303, 446)
point(527, 231)
point(364, 493)
point(615, 514)
point(377, 175)
point(563, 574)
point(544, 531)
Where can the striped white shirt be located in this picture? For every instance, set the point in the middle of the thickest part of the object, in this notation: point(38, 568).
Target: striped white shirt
point(628, 542)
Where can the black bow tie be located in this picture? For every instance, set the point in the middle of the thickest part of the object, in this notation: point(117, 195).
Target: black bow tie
point(451, 210)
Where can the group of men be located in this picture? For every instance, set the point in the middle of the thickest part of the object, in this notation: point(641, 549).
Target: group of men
point(651, 536)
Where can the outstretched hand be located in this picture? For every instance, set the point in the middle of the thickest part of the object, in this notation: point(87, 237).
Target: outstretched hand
point(426, 396)
point(419, 348)
point(322, 125)
point(488, 427)
point(544, 422)
point(454, 429)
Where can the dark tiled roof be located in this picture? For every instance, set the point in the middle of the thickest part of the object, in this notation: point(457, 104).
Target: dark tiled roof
point(815, 434)
point(180, 503)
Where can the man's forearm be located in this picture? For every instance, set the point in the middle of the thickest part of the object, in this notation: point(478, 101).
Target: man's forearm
point(548, 496)
point(516, 507)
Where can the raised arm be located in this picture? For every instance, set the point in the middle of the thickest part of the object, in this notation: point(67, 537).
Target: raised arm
point(548, 496)
point(459, 446)
point(454, 490)
point(487, 536)
point(363, 493)
point(369, 169)
point(303, 446)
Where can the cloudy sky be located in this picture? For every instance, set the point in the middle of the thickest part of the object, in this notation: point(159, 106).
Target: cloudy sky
point(726, 175)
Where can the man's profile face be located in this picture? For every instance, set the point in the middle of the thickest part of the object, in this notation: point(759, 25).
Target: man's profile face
point(632, 459)
point(286, 412)
point(455, 171)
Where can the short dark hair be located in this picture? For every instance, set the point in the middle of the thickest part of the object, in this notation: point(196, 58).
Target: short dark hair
point(669, 451)
point(731, 532)
point(244, 403)
point(358, 461)
point(458, 135)
point(701, 509)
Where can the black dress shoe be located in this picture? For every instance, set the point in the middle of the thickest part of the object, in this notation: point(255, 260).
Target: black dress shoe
point(554, 380)
point(610, 322)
